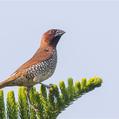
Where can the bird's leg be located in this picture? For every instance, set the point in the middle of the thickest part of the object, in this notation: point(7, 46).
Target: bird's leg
point(47, 86)
point(29, 100)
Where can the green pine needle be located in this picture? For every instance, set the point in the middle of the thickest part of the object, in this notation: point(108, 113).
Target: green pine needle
point(50, 103)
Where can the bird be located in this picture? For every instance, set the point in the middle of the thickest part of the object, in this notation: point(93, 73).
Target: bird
point(40, 66)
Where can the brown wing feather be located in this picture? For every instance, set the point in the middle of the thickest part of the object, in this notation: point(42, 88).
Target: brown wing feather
point(38, 57)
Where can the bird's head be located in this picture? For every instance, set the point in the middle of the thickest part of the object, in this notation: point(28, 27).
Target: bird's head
point(51, 37)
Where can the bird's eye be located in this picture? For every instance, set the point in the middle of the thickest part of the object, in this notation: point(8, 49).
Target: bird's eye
point(57, 32)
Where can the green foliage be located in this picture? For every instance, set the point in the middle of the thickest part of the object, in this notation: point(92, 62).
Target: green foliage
point(49, 103)
point(23, 104)
point(2, 108)
point(11, 106)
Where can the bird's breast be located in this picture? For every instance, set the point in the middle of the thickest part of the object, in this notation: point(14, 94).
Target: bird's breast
point(42, 71)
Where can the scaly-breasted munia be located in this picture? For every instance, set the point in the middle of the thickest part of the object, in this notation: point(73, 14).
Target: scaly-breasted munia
point(41, 66)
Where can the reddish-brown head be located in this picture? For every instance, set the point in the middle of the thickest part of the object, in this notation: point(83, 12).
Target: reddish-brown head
point(51, 37)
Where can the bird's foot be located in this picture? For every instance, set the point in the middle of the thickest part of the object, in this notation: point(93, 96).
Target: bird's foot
point(47, 86)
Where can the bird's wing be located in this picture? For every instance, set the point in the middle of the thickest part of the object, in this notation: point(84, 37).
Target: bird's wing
point(38, 57)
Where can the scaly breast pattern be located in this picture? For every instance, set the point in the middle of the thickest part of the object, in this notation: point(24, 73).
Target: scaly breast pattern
point(43, 70)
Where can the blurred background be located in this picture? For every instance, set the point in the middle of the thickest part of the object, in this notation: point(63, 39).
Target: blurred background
point(90, 47)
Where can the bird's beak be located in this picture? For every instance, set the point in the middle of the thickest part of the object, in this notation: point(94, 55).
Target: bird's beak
point(60, 32)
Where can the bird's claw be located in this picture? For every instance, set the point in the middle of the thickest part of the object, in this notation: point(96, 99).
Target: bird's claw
point(50, 86)
point(47, 86)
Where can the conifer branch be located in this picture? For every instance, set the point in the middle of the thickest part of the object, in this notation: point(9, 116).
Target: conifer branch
point(50, 103)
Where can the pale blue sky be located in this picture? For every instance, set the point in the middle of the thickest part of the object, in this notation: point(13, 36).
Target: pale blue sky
point(90, 47)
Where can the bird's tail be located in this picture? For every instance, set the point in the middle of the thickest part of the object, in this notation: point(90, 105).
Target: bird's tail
point(7, 82)
point(2, 84)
